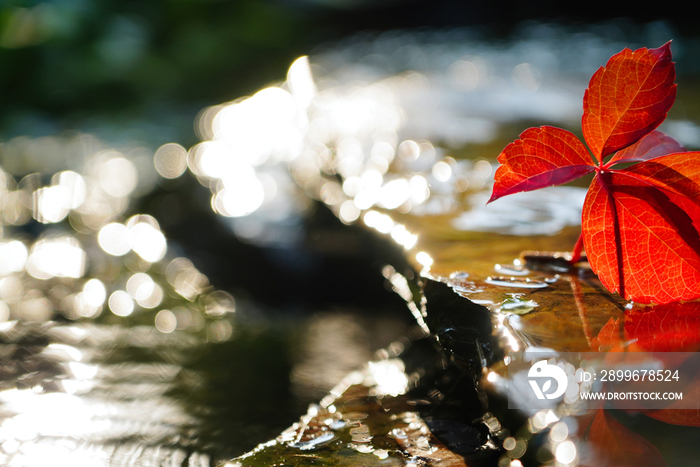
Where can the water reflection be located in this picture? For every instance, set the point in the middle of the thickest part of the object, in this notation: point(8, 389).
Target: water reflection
point(65, 409)
point(99, 319)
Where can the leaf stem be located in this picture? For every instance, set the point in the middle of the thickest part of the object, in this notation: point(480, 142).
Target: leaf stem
point(576, 254)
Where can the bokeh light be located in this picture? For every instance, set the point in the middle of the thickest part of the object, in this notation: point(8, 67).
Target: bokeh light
point(117, 176)
point(147, 239)
point(115, 239)
point(166, 321)
point(13, 257)
point(121, 303)
point(170, 160)
point(62, 256)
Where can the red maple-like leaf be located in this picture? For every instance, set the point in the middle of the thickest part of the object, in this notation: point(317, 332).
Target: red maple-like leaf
point(641, 223)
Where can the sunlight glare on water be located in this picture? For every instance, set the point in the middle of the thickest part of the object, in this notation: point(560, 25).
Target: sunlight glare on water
point(14, 257)
point(389, 377)
point(50, 204)
point(372, 129)
point(121, 303)
point(56, 257)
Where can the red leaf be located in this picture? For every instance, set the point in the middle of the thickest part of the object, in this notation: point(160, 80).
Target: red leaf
point(678, 173)
point(655, 144)
point(640, 229)
point(641, 224)
point(686, 417)
point(617, 446)
point(627, 99)
point(542, 157)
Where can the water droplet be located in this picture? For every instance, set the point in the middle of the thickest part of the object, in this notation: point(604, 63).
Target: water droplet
point(512, 269)
point(517, 306)
point(398, 433)
point(362, 448)
point(524, 283)
point(459, 275)
point(312, 443)
point(547, 261)
point(466, 287)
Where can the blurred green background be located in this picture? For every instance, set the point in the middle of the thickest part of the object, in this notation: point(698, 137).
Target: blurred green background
point(141, 70)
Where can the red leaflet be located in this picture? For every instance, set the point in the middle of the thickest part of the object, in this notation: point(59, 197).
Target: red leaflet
point(542, 157)
point(640, 228)
point(627, 99)
point(673, 328)
point(640, 224)
point(655, 144)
